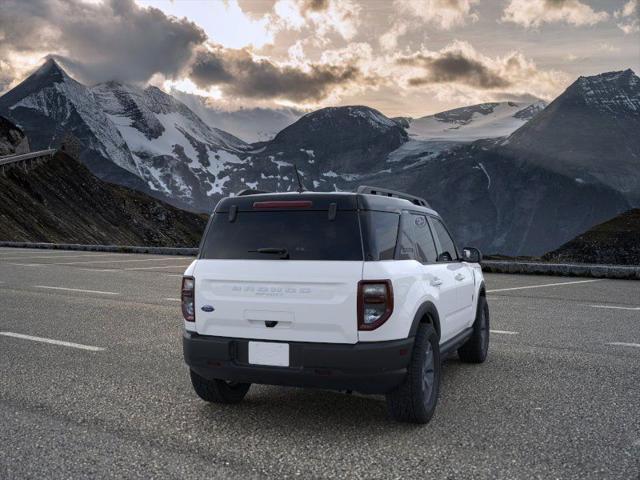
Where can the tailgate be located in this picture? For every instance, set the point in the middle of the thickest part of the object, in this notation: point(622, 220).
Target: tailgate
point(287, 300)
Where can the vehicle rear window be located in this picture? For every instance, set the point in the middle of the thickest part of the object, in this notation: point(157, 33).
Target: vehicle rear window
point(304, 235)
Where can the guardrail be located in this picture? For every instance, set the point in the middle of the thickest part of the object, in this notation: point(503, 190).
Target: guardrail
point(563, 269)
point(104, 248)
point(23, 157)
point(7, 159)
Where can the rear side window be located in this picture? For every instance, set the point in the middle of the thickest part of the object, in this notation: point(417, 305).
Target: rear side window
point(407, 241)
point(380, 231)
point(303, 235)
point(416, 240)
point(425, 246)
point(448, 248)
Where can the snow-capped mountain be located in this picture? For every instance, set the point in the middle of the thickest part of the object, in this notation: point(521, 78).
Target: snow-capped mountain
point(53, 102)
point(466, 124)
point(525, 193)
point(142, 138)
point(12, 140)
point(574, 165)
point(174, 151)
point(349, 141)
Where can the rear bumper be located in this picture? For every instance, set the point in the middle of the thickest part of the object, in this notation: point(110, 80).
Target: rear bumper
point(375, 367)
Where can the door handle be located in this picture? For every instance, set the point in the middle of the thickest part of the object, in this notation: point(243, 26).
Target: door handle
point(459, 277)
point(436, 282)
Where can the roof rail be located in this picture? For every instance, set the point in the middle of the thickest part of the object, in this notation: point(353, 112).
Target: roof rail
point(385, 192)
point(250, 191)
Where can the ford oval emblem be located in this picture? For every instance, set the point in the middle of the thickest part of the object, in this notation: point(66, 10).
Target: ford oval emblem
point(207, 308)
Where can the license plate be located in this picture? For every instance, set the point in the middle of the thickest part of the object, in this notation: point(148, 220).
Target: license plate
point(269, 353)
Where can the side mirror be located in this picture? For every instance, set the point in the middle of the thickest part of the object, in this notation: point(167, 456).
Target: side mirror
point(471, 255)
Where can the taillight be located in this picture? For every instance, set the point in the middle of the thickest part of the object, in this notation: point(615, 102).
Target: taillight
point(188, 299)
point(375, 303)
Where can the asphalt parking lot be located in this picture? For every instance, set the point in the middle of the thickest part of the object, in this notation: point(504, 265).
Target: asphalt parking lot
point(559, 396)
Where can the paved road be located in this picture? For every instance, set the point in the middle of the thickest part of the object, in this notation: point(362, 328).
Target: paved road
point(559, 396)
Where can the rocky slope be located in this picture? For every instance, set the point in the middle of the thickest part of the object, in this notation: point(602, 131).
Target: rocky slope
point(61, 201)
point(616, 241)
point(12, 140)
point(502, 204)
point(590, 133)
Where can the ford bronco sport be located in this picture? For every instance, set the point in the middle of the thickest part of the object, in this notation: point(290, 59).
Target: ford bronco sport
point(361, 291)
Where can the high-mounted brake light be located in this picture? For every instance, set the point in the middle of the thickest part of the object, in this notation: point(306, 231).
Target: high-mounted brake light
point(188, 299)
point(375, 303)
point(284, 204)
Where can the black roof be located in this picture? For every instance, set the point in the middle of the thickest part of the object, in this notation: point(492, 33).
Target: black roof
point(322, 201)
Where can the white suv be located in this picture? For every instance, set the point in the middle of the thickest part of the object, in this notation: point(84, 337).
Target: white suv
point(361, 291)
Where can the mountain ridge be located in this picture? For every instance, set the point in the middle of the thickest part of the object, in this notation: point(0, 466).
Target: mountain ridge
point(476, 183)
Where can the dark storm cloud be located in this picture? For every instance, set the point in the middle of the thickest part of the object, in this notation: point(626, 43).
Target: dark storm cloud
point(114, 40)
point(236, 72)
point(258, 8)
point(315, 5)
point(557, 3)
point(455, 67)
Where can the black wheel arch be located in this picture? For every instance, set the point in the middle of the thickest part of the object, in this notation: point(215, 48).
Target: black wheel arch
point(427, 313)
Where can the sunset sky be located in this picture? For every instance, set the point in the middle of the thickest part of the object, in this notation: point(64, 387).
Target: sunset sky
point(403, 57)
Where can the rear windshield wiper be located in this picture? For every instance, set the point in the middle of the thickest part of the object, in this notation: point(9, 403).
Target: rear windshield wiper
point(283, 252)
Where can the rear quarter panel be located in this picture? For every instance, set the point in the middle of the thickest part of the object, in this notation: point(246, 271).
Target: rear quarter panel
point(409, 293)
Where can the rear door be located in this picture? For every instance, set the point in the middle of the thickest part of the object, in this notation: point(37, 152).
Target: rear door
point(280, 274)
point(438, 276)
point(461, 272)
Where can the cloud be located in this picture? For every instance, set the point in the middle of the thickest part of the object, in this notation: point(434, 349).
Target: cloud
point(607, 47)
point(453, 66)
point(112, 40)
point(445, 14)
point(239, 73)
point(533, 13)
point(389, 40)
point(322, 17)
point(459, 71)
point(629, 25)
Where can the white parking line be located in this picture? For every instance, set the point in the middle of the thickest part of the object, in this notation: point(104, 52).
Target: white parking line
point(504, 332)
point(543, 285)
point(25, 257)
point(161, 266)
point(76, 290)
point(613, 307)
point(624, 344)
point(26, 250)
point(173, 299)
point(102, 261)
point(53, 342)
point(99, 269)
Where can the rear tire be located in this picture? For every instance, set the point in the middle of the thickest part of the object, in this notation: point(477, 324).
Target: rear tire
point(475, 349)
point(218, 391)
point(415, 400)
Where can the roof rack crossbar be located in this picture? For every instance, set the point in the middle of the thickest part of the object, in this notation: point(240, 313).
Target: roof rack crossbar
point(250, 191)
point(385, 192)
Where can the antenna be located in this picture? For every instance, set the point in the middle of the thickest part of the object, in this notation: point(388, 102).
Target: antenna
point(300, 186)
